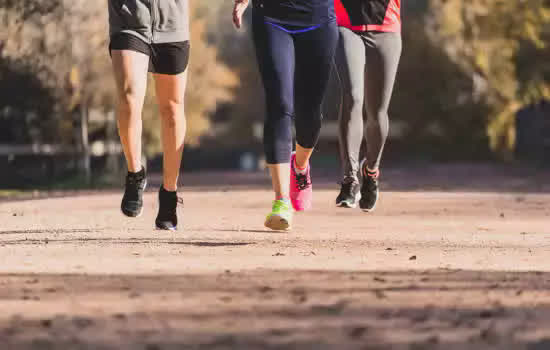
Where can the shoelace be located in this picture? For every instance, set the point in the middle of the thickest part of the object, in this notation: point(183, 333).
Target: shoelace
point(347, 186)
point(301, 181)
point(279, 205)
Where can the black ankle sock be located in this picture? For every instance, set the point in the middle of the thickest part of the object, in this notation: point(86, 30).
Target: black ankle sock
point(137, 172)
point(165, 191)
point(141, 172)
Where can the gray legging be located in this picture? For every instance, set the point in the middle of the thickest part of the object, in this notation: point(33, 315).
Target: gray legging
point(366, 64)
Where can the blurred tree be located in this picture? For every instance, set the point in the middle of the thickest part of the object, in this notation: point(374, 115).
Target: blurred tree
point(467, 66)
point(238, 116)
point(210, 79)
point(433, 103)
point(210, 84)
point(60, 48)
point(498, 43)
point(31, 57)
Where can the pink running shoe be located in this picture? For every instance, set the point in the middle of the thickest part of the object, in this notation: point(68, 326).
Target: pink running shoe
point(301, 193)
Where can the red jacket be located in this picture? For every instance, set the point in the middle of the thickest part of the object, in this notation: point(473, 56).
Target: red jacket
point(369, 15)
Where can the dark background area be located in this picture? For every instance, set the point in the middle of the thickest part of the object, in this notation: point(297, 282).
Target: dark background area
point(473, 87)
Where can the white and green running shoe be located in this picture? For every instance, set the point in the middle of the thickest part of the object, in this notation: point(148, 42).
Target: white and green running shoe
point(280, 217)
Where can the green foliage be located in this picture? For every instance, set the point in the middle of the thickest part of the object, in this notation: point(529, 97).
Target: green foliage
point(503, 45)
point(467, 66)
point(24, 73)
point(433, 99)
point(235, 49)
point(210, 79)
point(57, 52)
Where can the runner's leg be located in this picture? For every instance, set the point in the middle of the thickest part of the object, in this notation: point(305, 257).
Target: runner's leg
point(382, 59)
point(130, 59)
point(314, 55)
point(275, 54)
point(170, 90)
point(383, 52)
point(350, 66)
point(130, 70)
point(169, 64)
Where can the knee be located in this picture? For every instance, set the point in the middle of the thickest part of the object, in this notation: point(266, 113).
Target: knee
point(309, 113)
point(280, 109)
point(308, 130)
point(353, 98)
point(172, 112)
point(129, 104)
point(377, 116)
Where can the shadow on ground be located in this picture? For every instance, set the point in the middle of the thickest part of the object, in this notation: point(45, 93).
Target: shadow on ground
point(114, 241)
point(272, 309)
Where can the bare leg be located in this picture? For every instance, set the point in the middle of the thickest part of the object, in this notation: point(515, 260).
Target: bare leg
point(130, 70)
point(302, 156)
point(170, 95)
point(280, 179)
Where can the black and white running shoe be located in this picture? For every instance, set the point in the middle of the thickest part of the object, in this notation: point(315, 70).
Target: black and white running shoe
point(349, 193)
point(167, 217)
point(132, 201)
point(369, 188)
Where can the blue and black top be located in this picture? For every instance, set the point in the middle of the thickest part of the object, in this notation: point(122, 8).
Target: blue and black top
point(296, 13)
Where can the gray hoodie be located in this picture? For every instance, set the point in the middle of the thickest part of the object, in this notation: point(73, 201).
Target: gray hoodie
point(155, 21)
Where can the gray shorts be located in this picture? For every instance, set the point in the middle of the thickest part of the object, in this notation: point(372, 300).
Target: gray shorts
point(153, 21)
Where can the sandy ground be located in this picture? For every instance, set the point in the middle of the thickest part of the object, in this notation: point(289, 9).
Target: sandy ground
point(455, 267)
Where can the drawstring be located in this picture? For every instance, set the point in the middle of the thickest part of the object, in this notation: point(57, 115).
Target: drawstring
point(153, 52)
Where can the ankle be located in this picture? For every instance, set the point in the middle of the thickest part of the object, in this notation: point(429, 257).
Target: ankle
point(167, 195)
point(284, 198)
point(374, 173)
point(139, 172)
point(300, 169)
point(169, 189)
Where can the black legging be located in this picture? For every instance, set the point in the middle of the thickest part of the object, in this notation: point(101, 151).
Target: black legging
point(295, 67)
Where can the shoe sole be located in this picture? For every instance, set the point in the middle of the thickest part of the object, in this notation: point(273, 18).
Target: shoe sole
point(277, 223)
point(165, 229)
point(344, 204)
point(141, 211)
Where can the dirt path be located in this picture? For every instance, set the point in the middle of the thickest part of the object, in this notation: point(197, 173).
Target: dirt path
point(428, 270)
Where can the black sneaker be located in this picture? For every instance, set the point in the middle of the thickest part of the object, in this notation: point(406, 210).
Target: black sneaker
point(132, 201)
point(369, 189)
point(349, 193)
point(167, 218)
